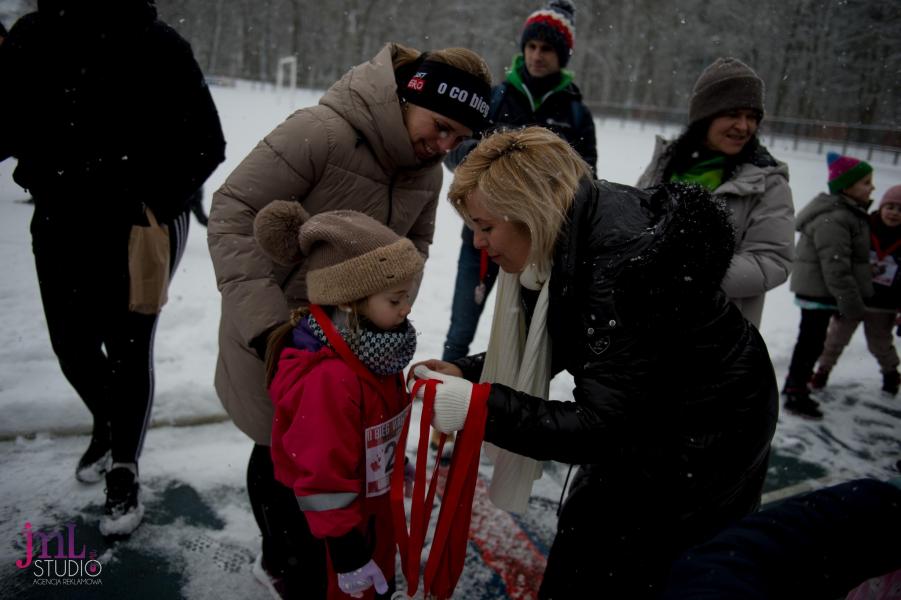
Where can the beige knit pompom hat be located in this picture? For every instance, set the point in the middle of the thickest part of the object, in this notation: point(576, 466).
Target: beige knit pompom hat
point(348, 255)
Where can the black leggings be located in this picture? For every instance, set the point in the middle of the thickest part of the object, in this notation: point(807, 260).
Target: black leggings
point(104, 350)
point(811, 339)
point(289, 549)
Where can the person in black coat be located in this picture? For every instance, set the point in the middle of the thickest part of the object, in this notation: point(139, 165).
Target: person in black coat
point(675, 396)
point(538, 90)
point(111, 116)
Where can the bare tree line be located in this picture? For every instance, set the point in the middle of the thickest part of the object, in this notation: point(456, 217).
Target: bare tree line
point(822, 60)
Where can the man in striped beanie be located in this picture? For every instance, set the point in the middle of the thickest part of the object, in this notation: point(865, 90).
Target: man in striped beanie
point(554, 24)
point(537, 90)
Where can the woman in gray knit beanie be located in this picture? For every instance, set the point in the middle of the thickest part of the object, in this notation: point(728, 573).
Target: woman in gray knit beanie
point(720, 151)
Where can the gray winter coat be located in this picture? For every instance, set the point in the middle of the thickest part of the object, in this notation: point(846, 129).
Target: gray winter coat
point(762, 211)
point(832, 260)
point(352, 151)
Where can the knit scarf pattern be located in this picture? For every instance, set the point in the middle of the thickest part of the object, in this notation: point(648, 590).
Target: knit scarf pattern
point(383, 352)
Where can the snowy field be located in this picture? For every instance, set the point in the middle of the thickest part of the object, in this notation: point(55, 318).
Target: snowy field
point(199, 536)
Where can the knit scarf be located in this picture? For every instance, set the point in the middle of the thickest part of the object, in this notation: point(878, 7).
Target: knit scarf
point(707, 173)
point(520, 359)
point(383, 352)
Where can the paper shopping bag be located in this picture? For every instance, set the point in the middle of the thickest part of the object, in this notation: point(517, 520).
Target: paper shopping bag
point(148, 266)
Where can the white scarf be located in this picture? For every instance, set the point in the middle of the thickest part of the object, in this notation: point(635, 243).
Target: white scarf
point(521, 360)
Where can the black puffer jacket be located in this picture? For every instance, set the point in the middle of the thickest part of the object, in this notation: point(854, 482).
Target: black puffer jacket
point(110, 110)
point(675, 396)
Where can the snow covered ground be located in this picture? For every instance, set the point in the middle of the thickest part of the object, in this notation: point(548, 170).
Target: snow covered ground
point(199, 538)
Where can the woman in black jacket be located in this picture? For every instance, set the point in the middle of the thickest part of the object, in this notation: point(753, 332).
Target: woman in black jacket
point(675, 396)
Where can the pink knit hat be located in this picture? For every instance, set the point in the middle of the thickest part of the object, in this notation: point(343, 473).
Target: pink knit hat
point(891, 196)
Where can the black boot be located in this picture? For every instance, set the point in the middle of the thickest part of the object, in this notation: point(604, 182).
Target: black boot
point(799, 402)
point(890, 382)
point(123, 510)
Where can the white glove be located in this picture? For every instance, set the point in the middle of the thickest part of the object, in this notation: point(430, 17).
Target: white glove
point(367, 576)
point(451, 399)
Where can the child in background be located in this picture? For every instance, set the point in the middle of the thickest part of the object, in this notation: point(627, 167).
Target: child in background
point(334, 375)
point(882, 309)
point(831, 272)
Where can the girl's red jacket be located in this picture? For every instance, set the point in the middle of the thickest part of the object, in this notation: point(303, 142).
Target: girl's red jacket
point(334, 437)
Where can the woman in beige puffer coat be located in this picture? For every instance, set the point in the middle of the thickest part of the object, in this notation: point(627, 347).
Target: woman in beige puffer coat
point(373, 144)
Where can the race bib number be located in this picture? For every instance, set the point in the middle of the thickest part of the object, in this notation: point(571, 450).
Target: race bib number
point(884, 270)
point(381, 445)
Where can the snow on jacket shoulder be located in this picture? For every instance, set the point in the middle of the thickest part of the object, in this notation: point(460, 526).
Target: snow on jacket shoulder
point(760, 202)
point(352, 151)
point(832, 259)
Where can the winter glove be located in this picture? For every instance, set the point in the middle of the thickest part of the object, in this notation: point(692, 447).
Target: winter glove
point(451, 399)
point(358, 581)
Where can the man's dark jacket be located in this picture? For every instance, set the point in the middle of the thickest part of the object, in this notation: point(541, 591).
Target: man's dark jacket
point(562, 112)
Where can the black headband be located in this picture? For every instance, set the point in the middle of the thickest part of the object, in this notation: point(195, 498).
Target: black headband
point(449, 91)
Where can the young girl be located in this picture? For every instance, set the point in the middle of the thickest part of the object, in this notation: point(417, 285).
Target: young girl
point(882, 309)
point(334, 375)
point(831, 273)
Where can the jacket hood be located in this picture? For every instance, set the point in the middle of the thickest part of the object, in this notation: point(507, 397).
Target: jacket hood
point(657, 254)
point(683, 266)
point(294, 363)
point(366, 97)
point(824, 203)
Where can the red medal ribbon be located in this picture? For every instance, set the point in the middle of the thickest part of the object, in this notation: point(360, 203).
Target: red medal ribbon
point(483, 265)
point(448, 550)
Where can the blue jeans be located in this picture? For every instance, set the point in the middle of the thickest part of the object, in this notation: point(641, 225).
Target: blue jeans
point(465, 312)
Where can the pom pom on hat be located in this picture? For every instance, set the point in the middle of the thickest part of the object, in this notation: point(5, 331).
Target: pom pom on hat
point(845, 171)
point(275, 229)
point(554, 24)
point(348, 255)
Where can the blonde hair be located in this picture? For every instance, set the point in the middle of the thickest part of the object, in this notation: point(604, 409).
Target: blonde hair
point(461, 58)
point(527, 176)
